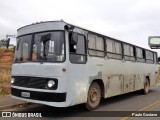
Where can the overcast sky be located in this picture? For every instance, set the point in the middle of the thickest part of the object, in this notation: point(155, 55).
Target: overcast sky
point(127, 20)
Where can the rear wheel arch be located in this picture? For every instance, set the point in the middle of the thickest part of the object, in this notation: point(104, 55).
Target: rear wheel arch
point(101, 84)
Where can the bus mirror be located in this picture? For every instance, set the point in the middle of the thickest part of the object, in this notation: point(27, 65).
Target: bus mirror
point(46, 37)
point(68, 28)
point(74, 38)
point(7, 42)
point(154, 42)
point(18, 42)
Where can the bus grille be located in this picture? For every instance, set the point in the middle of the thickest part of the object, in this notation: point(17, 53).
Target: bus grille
point(33, 82)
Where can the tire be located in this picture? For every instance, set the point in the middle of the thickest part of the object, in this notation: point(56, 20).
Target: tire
point(94, 96)
point(146, 87)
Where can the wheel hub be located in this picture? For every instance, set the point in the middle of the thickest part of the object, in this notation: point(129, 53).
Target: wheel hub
point(94, 95)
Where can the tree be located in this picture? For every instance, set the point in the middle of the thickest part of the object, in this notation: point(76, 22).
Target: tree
point(2, 42)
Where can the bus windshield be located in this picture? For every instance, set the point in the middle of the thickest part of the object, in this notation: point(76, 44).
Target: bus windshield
point(45, 46)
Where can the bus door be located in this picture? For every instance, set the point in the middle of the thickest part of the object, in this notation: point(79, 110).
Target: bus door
point(77, 66)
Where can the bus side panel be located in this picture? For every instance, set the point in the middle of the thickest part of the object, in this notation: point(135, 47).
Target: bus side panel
point(126, 76)
point(114, 85)
point(77, 84)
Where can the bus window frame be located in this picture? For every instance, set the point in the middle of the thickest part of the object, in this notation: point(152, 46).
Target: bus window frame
point(121, 43)
point(85, 42)
point(134, 55)
point(96, 49)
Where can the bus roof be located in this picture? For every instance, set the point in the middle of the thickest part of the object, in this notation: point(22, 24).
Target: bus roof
point(85, 30)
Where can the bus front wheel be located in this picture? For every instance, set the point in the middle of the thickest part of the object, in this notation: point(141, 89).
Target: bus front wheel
point(94, 96)
point(146, 87)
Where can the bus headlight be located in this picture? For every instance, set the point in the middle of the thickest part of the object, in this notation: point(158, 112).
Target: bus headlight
point(12, 80)
point(51, 83)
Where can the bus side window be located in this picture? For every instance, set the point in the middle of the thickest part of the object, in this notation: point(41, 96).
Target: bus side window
point(78, 51)
point(140, 55)
point(110, 46)
point(129, 52)
point(126, 50)
point(96, 45)
point(132, 53)
point(114, 49)
point(100, 46)
point(149, 57)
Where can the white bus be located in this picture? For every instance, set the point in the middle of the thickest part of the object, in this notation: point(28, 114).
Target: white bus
point(59, 64)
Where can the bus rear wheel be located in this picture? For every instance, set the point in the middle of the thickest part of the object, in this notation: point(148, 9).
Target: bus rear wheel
point(146, 87)
point(94, 96)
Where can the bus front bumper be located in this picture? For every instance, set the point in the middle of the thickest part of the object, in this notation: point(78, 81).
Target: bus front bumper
point(47, 98)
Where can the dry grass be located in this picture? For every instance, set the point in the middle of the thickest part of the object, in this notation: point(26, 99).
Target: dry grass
point(158, 79)
point(6, 60)
point(5, 76)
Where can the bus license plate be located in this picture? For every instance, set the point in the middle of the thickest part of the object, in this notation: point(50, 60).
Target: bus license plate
point(25, 94)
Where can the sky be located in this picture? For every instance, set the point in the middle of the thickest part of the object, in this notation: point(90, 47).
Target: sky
point(127, 20)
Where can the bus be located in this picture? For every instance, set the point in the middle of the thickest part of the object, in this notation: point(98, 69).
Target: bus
point(60, 64)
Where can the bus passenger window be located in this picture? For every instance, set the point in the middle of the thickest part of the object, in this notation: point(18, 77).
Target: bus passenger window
point(140, 55)
point(132, 53)
point(129, 52)
point(114, 49)
point(149, 57)
point(96, 45)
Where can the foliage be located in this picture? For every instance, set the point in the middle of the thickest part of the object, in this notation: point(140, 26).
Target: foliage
point(2, 42)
